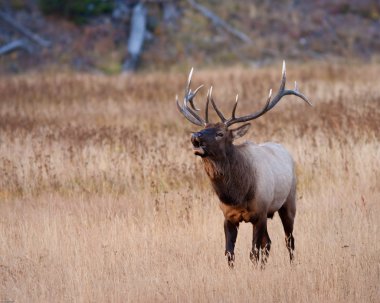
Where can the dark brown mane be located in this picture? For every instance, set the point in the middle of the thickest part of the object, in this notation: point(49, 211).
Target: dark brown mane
point(229, 176)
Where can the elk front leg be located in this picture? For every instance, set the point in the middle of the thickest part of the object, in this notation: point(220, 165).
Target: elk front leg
point(231, 232)
point(260, 242)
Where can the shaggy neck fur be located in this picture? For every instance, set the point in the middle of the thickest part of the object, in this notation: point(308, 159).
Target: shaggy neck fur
point(228, 175)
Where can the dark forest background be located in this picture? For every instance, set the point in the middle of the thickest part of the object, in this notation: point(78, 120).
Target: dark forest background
point(88, 35)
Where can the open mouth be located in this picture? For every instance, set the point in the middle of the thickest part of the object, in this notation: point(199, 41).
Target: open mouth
point(199, 151)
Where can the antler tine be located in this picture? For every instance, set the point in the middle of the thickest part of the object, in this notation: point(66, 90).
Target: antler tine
point(220, 114)
point(187, 88)
point(268, 100)
point(206, 107)
point(189, 112)
point(295, 93)
point(191, 95)
point(283, 76)
point(188, 93)
point(298, 94)
point(270, 103)
point(235, 106)
point(283, 92)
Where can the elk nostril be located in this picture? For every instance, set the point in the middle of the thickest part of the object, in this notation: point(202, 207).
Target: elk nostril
point(195, 140)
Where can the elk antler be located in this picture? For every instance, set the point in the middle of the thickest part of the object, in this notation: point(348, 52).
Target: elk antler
point(193, 117)
point(190, 112)
point(268, 106)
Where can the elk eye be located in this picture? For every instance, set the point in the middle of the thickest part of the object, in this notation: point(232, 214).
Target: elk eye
point(219, 135)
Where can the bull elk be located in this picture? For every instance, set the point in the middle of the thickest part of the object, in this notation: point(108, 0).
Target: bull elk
point(252, 181)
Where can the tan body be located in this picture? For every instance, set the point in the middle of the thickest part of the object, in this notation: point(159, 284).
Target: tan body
point(252, 182)
point(272, 171)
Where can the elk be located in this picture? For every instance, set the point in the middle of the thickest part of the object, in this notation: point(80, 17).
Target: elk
point(252, 181)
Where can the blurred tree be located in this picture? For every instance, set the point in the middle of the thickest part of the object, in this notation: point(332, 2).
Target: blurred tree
point(138, 21)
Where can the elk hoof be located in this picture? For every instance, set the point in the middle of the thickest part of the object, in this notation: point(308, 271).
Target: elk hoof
point(254, 256)
point(291, 255)
point(230, 259)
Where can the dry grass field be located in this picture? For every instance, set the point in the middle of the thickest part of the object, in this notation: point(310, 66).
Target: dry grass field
point(102, 199)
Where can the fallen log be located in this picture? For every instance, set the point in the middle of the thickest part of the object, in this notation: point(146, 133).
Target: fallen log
point(217, 21)
point(14, 45)
point(26, 32)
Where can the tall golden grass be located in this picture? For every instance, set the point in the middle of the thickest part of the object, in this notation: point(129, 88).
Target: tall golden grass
point(102, 200)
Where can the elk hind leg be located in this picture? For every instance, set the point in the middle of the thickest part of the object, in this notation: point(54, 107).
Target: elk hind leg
point(287, 214)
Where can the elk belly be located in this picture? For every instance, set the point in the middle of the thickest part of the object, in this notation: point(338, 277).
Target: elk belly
point(235, 214)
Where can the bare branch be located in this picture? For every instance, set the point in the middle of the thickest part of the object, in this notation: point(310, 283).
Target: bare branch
point(14, 45)
point(217, 21)
point(23, 30)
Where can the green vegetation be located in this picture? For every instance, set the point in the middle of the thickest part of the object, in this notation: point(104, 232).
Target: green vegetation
point(77, 10)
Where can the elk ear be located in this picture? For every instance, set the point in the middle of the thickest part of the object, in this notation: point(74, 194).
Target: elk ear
point(240, 131)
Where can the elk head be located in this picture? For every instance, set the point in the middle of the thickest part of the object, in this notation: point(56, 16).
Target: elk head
point(215, 139)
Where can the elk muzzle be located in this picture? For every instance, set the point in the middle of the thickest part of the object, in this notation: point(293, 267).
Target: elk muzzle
point(198, 148)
